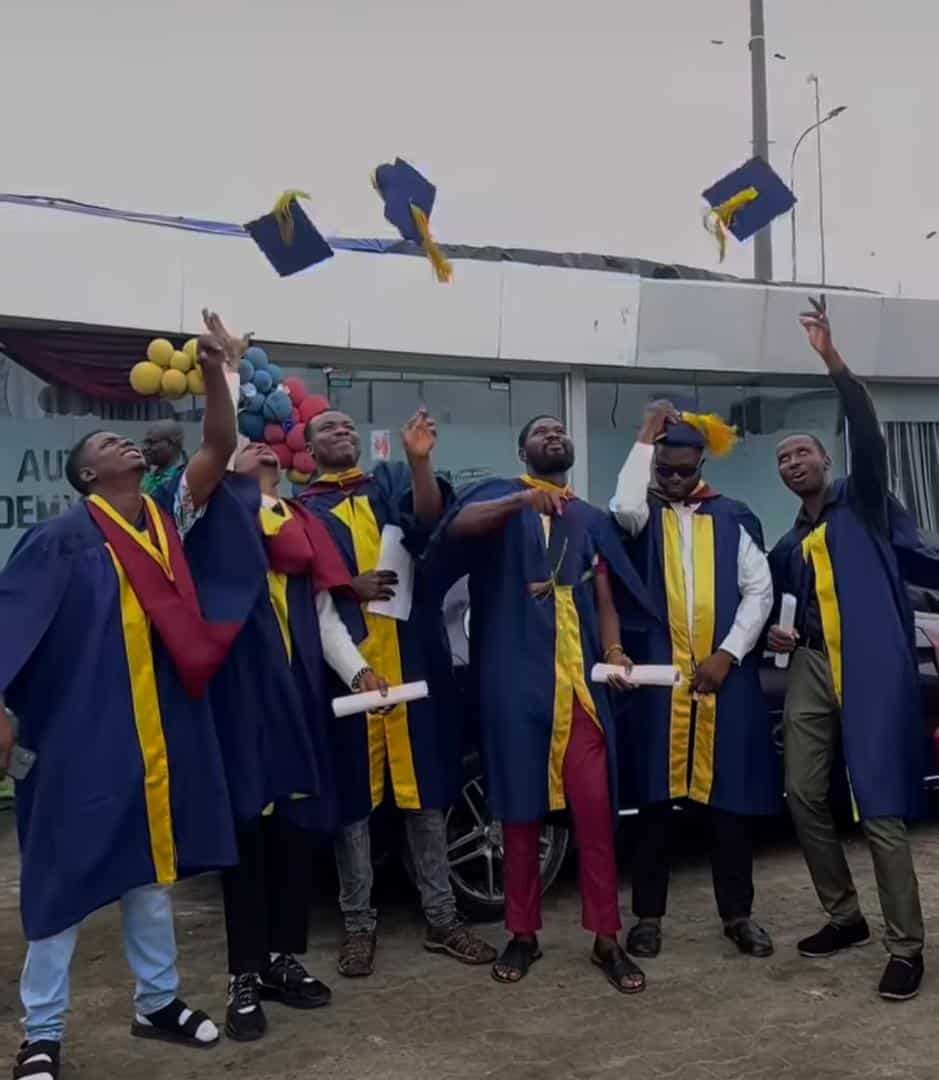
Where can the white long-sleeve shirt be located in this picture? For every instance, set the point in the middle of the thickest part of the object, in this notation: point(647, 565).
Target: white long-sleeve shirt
point(631, 509)
point(339, 650)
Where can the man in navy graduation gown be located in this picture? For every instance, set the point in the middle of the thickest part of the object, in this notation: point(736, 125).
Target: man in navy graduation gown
point(708, 741)
point(853, 676)
point(105, 656)
point(545, 571)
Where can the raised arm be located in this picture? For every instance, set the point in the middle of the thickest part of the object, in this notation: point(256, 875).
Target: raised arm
point(868, 449)
point(419, 437)
point(218, 350)
point(482, 518)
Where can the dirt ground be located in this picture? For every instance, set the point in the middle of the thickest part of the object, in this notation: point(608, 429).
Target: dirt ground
point(708, 1013)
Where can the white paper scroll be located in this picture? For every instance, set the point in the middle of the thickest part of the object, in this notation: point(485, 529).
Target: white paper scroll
point(359, 703)
point(394, 556)
point(639, 674)
point(787, 620)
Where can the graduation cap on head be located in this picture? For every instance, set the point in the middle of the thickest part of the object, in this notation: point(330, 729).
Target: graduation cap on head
point(745, 201)
point(701, 431)
point(288, 238)
point(409, 199)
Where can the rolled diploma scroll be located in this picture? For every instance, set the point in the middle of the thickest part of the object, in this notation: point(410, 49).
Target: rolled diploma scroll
point(359, 703)
point(787, 620)
point(639, 674)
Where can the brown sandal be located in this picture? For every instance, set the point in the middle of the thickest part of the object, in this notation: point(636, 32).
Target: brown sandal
point(458, 941)
point(357, 954)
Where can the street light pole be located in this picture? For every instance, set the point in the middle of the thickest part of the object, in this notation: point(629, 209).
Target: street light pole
point(763, 241)
point(821, 193)
point(817, 126)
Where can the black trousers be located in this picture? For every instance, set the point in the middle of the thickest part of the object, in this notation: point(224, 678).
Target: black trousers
point(267, 895)
point(731, 848)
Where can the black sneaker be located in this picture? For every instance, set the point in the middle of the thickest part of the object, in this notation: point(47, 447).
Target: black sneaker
point(244, 1018)
point(902, 977)
point(288, 982)
point(832, 939)
point(39, 1058)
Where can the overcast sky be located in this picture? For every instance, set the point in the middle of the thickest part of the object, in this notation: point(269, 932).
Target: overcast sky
point(589, 125)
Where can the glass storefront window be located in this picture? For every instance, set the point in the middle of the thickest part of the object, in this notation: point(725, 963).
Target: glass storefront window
point(764, 414)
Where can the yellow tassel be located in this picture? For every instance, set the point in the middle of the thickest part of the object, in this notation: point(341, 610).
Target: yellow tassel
point(438, 260)
point(719, 437)
point(718, 220)
point(282, 212)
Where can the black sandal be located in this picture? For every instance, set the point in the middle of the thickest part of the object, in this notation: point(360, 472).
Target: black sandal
point(40, 1058)
point(164, 1026)
point(617, 966)
point(645, 940)
point(517, 956)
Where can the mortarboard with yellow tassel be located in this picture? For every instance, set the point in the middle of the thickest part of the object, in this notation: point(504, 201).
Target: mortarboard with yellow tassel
point(744, 202)
point(287, 237)
point(703, 431)
point(409, 199)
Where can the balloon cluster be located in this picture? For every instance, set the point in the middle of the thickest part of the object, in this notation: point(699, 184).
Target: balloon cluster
point(275, 410)
point(168, 371)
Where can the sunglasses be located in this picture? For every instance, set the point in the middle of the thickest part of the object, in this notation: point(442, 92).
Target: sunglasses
point(685, 472)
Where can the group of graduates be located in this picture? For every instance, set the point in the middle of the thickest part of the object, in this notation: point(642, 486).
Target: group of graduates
point(169, 648)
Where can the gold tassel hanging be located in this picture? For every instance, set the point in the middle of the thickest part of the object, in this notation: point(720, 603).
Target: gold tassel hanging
point(441, 264)
point(282, 212)
point(717, 221)
point(719, 436)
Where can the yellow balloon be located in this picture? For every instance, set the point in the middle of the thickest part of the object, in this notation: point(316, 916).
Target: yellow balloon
point(160, 351)
point(146, 377)
point(174, 383)
point(299, 477)
point(180, 361)
point(191, 349)
point(196, 382)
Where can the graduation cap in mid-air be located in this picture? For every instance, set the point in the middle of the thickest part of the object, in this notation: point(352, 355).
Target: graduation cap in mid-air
point(409, 199)
point(745, 201)
point(287, 237)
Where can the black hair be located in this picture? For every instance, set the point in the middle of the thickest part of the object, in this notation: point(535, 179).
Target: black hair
point(819, 445)
point(75, 463)
point(526, 430)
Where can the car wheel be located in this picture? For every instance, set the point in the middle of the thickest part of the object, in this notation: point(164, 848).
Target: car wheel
point(474, 844)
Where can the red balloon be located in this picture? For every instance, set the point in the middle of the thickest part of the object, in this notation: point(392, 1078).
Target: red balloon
point(303, 462)
point(296, 440)
point(273, 434)
point(295, 389)
point(284, 455)
point(295, 415)
point(312, 405)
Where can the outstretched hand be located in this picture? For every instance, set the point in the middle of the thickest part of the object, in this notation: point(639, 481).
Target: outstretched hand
point(419, 435)
point(818, 331)
point(220, 338)
point(542, 501)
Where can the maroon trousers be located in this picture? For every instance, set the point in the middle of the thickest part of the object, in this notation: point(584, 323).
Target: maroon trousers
point(587, 787)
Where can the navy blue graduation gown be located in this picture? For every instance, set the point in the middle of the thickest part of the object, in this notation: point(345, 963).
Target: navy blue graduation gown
point(718, 751)
point(868, 627)
point(417, 743)
point(128, 788)
point(531, 655)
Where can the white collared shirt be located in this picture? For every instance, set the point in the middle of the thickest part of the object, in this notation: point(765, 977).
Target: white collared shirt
point(631, 509)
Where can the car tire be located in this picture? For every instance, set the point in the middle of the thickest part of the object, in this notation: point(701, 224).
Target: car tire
point(474, 842)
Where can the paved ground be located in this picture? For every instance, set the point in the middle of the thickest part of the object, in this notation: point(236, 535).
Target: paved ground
point(707, 1013)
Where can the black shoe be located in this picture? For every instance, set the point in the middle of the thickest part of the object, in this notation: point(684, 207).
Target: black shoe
point(750, 939)
point(902, 977)
point(39, 1058)
point(244, 1018)
point(288, 982)
point(645, 939)
point(832, 939)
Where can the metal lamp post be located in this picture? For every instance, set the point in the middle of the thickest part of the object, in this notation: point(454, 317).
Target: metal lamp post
point(817, 128)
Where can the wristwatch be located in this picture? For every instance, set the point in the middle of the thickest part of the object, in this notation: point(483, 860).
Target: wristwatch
point(356, 681)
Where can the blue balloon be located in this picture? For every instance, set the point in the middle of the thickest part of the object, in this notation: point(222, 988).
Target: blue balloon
point(251, 425)
point(246, 370)
point(277, 406)
point(262, 380)
point(257, 356)
point(255, 404)
point(247, 391)
point(276, 374)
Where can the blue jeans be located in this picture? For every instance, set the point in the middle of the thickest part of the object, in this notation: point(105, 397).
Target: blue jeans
point(427, 840)
point(150, 948)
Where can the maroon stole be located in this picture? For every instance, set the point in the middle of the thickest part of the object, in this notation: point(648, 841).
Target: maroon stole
point(156, 568)
point(301, 545)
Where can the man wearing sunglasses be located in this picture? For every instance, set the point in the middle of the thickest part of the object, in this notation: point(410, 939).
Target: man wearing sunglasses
point(706, 743)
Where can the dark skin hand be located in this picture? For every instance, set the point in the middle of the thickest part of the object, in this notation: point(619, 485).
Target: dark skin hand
point(658, 415)
point(708, 677)
point(375, 585)
point(781, 641)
